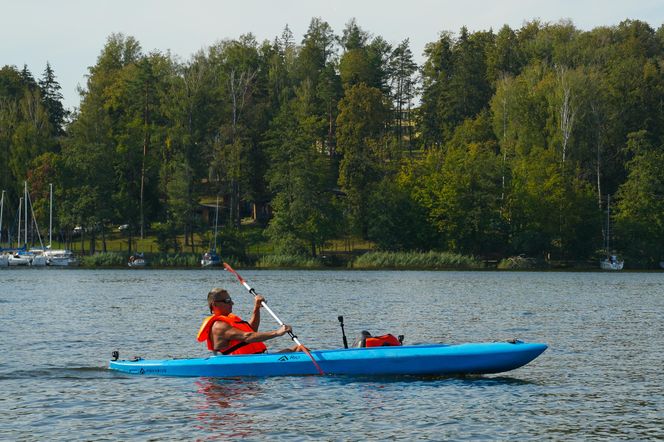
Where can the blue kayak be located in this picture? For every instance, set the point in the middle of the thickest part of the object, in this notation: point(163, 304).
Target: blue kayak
point(432, 359)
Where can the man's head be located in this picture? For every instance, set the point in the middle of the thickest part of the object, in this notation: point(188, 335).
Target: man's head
point(220, 300)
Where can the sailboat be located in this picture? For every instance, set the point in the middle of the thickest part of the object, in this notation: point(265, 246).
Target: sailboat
point(19, 255)
point(58, 257)
point(22, 256)
point(37, 257)
point(611, 262)
point(211, 258)
point(4, 258)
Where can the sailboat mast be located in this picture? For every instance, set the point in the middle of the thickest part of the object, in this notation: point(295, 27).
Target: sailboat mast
point(18, 236)
point(50, 217)
point(25, 209)
point(2, 207)
point(608, 224)
point(216, 221)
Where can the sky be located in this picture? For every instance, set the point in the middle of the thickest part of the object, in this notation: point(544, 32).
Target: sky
point(70, 34)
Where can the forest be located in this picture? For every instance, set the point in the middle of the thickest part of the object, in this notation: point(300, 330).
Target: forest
point(499, 144)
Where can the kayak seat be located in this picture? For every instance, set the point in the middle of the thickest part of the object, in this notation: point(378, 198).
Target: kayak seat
point(367, 340)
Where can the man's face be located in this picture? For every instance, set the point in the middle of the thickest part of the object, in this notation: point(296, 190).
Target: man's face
point(224, 303)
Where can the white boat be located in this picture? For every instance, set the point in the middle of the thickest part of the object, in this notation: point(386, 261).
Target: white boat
point(23, 257)
point(211, 258)
point(20, 259)
point(60, 258)
point(38, 258)
point(137, 260)
point(611, 262)
point(4, 260)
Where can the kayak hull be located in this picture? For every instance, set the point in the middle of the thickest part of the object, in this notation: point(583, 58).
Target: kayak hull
point(433, 359)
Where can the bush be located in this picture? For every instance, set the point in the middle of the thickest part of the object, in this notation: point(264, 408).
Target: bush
point(517, 263)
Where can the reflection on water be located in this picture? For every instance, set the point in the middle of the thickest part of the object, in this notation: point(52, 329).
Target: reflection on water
point(601, 377)
point(222, 414)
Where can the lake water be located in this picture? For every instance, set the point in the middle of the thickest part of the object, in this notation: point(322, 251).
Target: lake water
point(601, 378)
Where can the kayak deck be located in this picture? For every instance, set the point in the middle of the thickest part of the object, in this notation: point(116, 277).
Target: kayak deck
point(431, 359)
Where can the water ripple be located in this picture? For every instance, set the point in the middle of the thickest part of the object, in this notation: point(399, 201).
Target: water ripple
point(600, 379)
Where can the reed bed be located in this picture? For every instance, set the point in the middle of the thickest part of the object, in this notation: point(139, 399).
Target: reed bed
point(288, 261)
point(108, 259)
point(174, 260)
point(415, 260)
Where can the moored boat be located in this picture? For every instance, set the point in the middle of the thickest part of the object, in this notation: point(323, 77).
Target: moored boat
point(611, 262)
point(20, 258)
point(38, 258)
point(60, 258)
point(137, 261)
point(57, 257)
point(431, 359)
point(211, 258)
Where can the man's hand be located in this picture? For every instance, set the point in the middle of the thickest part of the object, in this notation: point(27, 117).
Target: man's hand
point(284, 329)
point(258, 299)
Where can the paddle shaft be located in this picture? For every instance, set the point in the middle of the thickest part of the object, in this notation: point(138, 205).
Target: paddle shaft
point(269, 310)
point(276, 318)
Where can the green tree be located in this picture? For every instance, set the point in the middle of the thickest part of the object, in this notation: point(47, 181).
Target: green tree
point(360, 130)
point(52, 100)
point(505, 58)
point(436, 71)
point(552, 214)
point(237, 125)
point(304, 214)
point(179, 199)
point(401, 70)
point(640, 212)
point(461, 188)
point(396, 220)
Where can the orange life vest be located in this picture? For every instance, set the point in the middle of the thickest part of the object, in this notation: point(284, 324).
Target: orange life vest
point(387, 340)
point(234, 347)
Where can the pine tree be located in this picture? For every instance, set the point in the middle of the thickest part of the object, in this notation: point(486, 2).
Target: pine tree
point(52, 100)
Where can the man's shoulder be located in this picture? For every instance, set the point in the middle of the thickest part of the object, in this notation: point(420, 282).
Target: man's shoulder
point(220, 323)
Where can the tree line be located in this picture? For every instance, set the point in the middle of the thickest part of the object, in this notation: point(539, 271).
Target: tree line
point(500, 143)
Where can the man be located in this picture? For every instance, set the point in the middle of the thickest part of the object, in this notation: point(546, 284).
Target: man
point(227, 333)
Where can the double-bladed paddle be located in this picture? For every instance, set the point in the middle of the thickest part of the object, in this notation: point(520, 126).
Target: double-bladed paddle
point(276, 318)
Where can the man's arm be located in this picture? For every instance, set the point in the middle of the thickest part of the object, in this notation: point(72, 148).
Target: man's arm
point(222, 333)
point(255, 320)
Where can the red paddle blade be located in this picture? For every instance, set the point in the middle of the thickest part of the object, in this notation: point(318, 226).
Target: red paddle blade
point(237, 275)
point(320, 370)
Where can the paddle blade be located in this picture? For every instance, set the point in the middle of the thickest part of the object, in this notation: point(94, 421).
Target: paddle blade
point(237, 275)
point(306, 350)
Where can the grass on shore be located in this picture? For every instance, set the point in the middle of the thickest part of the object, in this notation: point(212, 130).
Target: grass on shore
point(259, 252)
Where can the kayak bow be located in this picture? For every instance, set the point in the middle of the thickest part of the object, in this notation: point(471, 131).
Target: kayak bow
point(432, 359)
